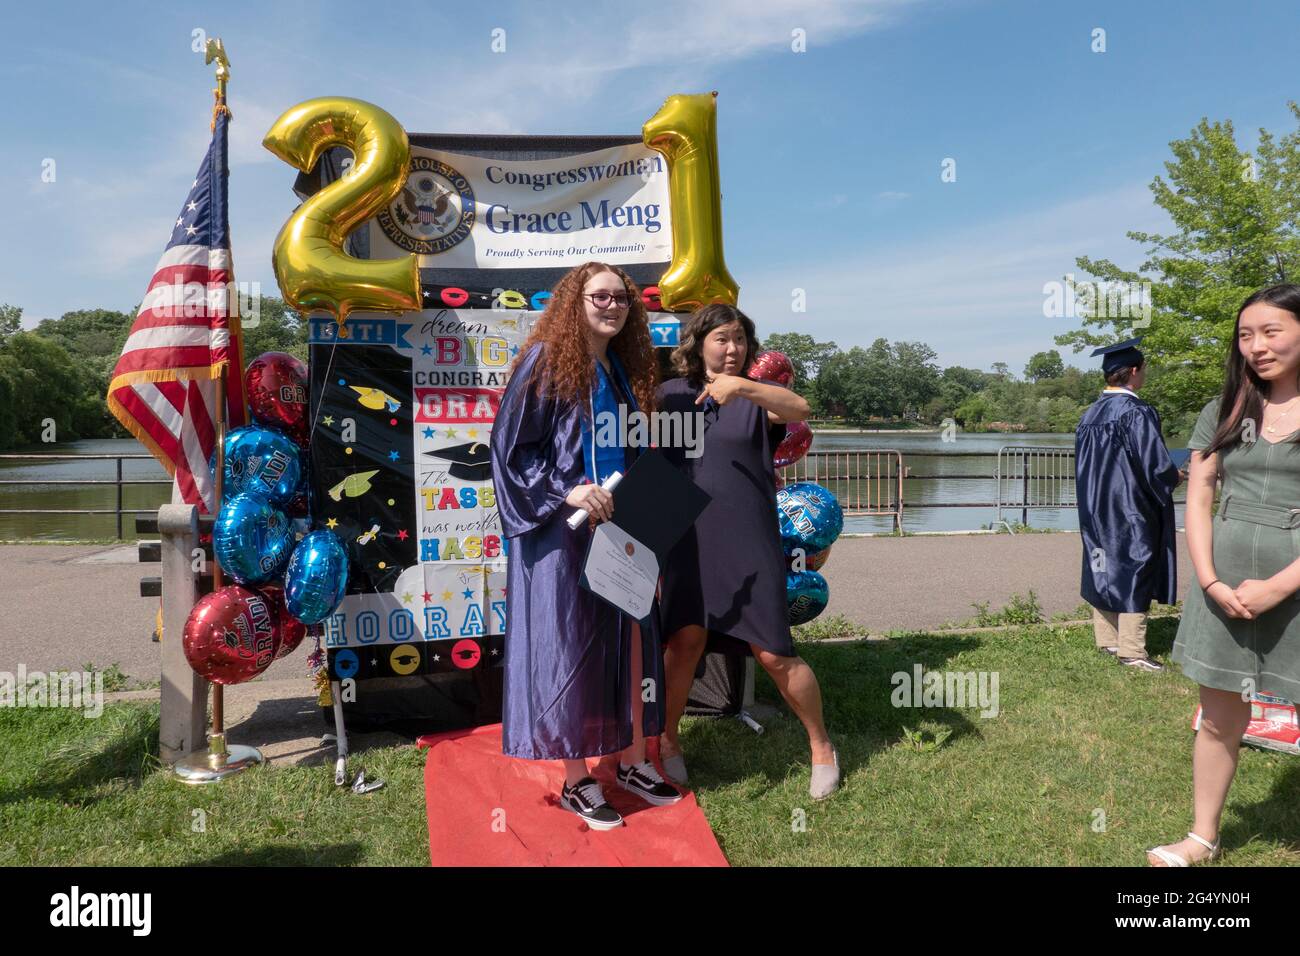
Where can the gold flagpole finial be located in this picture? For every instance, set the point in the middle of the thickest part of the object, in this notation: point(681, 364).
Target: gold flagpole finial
point(216, 50)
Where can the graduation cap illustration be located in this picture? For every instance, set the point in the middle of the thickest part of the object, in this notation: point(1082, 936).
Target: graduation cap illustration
point(469, 462)
point(1120, 355)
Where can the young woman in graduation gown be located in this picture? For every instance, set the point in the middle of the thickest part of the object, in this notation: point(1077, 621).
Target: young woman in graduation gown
point(574, 665)
point(727, 575)
point(1240, 628)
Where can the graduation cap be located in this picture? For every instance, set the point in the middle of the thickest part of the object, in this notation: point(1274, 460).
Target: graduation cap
point(1120, 355)
point(469, 462)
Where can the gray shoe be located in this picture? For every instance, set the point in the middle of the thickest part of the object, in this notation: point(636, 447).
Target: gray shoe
point(825, 778)
point(675, 769)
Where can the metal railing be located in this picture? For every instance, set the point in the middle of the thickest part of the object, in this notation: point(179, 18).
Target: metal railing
point(118, 482)
point(1034, 476)
point(866, 483)
point(872, 482)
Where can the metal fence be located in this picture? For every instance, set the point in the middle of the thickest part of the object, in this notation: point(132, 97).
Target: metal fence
point(866, 483)
point(118, 482)
point(1034, 476)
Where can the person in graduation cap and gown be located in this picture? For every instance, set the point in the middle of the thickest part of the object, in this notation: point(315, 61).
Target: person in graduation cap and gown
point(1124, 482)
point(574, 665)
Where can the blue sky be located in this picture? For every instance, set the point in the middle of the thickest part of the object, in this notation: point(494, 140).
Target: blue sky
point(830, 158)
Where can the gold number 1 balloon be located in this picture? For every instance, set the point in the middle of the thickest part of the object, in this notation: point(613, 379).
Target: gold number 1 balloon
point(685, 130)
point(313, 270)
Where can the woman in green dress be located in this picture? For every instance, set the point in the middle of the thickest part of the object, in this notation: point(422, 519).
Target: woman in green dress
point(1240, 630)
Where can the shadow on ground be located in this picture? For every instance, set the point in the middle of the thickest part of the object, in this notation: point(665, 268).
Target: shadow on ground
point(856, 685)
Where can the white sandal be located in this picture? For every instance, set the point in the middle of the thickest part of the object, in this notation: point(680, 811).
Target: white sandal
point(1170, 858)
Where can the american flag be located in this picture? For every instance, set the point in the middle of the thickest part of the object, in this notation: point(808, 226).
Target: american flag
point(163, 389)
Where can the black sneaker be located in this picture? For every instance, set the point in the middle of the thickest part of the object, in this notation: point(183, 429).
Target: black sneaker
point(644, 780)
point(587, 800)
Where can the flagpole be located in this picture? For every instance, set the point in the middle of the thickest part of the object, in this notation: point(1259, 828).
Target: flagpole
point(217, 741)
point(220, 761)
point(216, 50)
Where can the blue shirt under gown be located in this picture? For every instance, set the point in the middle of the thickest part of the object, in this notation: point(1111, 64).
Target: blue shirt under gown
point(567, 687)
point(1124, 481)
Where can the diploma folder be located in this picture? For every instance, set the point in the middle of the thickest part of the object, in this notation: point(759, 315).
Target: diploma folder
point(656, 505)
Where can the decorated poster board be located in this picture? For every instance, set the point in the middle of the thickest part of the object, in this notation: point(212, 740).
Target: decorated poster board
point(404, 404)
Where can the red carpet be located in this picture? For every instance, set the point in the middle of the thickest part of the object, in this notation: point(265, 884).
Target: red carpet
point(467, 780)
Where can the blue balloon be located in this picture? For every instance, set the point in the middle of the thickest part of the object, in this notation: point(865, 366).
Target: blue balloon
point(260, 462)
point(317, 577)
point(810, 517)
point(251, 539)
point(806, 594)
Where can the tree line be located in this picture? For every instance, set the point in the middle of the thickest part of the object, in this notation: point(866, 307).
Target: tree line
point(901, 382)
point(59, 371)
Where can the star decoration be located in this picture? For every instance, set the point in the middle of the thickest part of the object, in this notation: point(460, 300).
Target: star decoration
point(451, 433)
point(192, 206)
point(424, 349)
point(428, 433)
point(180, 222)
point(190, 230)
point(328, 420)
point(503, 592)
point(495, 652)
point(436, 657)
point(374, 662)
point(406, 597)
point(514, 350)
point(468, 593)
point(426, 597)
point(472, 433)
point(331, 523)
point(392, 455)
point(446, 595)
point(401, 534)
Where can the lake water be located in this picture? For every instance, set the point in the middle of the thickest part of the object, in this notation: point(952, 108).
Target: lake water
point(916, 448)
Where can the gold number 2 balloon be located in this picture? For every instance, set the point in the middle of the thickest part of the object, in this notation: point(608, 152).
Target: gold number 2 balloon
point(685, 130)
point(313, 270)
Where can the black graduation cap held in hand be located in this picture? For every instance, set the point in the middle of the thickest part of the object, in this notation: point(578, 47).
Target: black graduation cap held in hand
point(1120, 355)
point(471, 461)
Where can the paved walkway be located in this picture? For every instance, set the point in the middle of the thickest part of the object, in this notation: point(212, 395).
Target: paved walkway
point(67, 605)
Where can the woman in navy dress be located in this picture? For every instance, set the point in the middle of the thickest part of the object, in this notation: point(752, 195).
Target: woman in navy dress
point(727, 575)
point(574, 665)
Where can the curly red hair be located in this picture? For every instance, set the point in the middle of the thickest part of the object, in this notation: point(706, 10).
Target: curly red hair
point(569, 369)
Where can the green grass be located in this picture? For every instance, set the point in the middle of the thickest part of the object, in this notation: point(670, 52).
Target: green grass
point(90, 792)
point(1076, 734)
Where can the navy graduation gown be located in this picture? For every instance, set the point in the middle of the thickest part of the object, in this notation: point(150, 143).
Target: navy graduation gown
point(1124, 480)
point(567, 687)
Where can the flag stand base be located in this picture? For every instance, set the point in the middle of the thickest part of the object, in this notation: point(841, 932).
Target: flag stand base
point(218, 762)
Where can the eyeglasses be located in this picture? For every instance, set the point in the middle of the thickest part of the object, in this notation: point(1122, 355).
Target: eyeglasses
point(602, 300)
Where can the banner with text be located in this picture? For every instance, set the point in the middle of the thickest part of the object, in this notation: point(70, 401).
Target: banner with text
point(460, 211)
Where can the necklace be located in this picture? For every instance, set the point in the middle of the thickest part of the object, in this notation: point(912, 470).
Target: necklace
point(1272, 429)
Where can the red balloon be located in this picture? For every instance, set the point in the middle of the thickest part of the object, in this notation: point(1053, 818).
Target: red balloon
point(230, 635)
point(772, 367)
point(289, 631)
point(798, 438)
point(276, 386)
point(815, 561)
